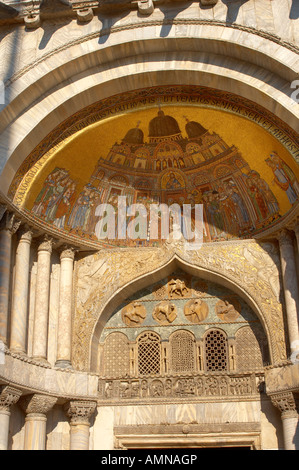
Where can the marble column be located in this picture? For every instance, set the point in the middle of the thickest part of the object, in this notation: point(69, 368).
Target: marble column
point(36, 408)
point(286, 404)
point(8, 226)
point(80, 413)
point(8, 397)
point(65, 309)
point(42, 290)
point(290, 285)
point(19, 309)
point(296, 230)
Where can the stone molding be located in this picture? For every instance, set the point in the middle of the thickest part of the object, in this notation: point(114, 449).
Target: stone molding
point(156, 23)
point(178, 389)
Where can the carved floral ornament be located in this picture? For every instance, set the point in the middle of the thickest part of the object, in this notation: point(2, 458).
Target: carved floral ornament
point(250, 267)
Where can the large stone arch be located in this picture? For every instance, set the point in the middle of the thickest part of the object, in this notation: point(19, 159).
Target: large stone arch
point(65, 80)
point(231, 265)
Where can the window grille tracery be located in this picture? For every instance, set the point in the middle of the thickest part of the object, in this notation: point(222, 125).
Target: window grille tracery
point(116, 355)
point(149, 354)
point(216, 351)
point(182, 352)
point(248, 351)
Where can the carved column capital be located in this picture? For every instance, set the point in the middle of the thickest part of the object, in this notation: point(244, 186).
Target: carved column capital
point(25, 233)
point(285, 238)
point(285, 402)
point(37, 404)
point(8, 396)
point(10, 223)
point(67, 252)
point(80, 411)
point(45, 244)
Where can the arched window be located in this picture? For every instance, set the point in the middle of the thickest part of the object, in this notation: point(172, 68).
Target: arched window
point(149, 353)
point(182, 351)
point(116, 357)
point(216, 351)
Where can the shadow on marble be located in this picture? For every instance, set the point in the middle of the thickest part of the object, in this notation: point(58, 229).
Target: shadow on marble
point(169, 16)
point(294, 12)
point(233, 8)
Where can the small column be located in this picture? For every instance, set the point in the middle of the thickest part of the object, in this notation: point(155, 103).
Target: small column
point(40, 332)
point(8, 397)
point(20, 293)
point(80, 413)
point(296, 230)
point(290, 284)
point(65, 309)
point(286, 404)
point(36, 408)
point(8, 226)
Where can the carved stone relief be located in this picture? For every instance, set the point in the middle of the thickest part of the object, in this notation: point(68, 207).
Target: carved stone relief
point(252, 267)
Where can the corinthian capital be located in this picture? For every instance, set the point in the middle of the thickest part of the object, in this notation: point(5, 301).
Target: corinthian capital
point(8, 396)
point(46, 244)
point(79, 411)
point(67, 252)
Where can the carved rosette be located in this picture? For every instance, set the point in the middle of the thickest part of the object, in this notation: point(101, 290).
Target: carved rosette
point(8, 397)
point(80, 412)
point(37, 405)
point(285, 402)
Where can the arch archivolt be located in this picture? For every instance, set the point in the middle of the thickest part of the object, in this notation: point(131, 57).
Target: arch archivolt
point(105, 279)
point(132, 58)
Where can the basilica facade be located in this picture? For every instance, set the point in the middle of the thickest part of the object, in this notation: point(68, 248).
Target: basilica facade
point(126, 320)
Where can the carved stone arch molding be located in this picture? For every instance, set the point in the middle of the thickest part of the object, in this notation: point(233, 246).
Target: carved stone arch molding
point(105, 279)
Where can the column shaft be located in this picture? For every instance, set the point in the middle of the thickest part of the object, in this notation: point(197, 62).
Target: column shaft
point(20, 294)
point(40, 332)
point(5, 259)
point(80, 413)
point(290, 430)
point(4, 428)
point(35, 432)
point(8, 397)
point(290, 283)
point(79, 436)
point(65, 309)
point(8, 226)
point(36, 408)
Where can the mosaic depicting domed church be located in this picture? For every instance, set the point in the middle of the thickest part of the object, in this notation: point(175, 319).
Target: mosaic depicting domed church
point(164, 161)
